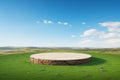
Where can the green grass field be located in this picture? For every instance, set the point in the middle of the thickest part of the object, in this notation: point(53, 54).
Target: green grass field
point(101, 67)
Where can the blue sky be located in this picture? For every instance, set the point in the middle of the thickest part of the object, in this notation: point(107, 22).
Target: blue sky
point(60, 23)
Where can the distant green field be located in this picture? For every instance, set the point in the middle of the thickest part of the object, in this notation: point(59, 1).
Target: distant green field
point(101, 67)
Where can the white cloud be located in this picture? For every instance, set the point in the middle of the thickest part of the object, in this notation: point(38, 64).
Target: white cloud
point(64, 23)
point(59, 22)
point(99, 34)
point(109, 35)
point(96, 38)
point(114, 29)
point(112, 26)
point(50, 22)
point(91, 32)
point(47, 22)
point(73, 36)
point(83, 23)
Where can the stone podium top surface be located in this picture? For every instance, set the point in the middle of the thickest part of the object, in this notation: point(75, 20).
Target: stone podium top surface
point(60, 56)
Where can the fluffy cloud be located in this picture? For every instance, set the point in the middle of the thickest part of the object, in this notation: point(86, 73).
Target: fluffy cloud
point(102, 38)
point(100, 34)
point(64, 23)
point(47, 22)
point(59, 22)
point(91, 32)
point(112, 26)
point(50, 22)
point(83, 23)
point(109, 35)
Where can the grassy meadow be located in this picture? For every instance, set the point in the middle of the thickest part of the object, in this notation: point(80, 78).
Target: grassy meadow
point(104, 65)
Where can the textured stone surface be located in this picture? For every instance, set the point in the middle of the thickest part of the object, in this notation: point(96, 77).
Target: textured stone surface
point(59, 62)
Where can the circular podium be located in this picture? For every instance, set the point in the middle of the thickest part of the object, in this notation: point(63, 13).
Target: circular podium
point(60, 58)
